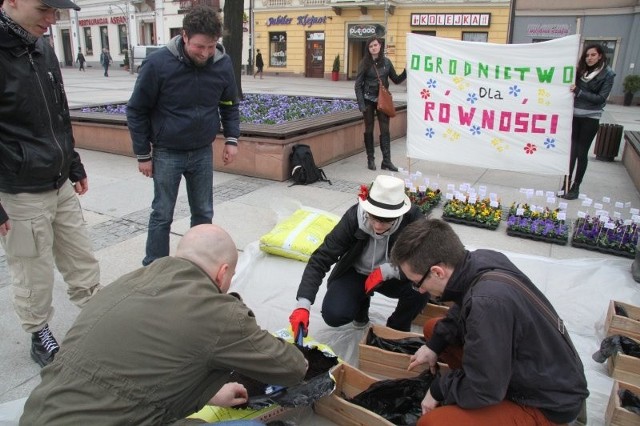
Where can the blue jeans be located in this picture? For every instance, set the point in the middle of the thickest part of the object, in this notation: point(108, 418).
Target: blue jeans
point(169, 165)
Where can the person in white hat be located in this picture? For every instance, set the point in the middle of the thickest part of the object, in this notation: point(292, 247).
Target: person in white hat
point(360, 247)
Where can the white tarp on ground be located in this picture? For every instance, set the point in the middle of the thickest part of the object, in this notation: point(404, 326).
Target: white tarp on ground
point(501, 106)
point(580, 290)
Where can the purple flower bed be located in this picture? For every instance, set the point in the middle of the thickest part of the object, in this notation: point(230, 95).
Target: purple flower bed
point(613, 234)
point(548, 228)
point(267, 109)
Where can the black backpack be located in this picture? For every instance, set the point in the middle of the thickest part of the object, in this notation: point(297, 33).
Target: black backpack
point(303, 168)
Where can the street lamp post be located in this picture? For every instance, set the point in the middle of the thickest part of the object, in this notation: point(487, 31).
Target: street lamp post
point(125, 11)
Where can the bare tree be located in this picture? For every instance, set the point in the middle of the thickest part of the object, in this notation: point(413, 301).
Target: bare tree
point(232, 40)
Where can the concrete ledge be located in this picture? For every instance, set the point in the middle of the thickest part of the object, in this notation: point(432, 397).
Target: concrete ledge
point(265, 156)
point(631, 156)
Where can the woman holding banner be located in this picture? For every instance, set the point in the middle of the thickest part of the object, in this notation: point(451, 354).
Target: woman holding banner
point(594, 79)
point(374, 65)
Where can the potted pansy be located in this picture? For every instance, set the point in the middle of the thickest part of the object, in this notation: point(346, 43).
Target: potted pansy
point(424, 197)
point(537, 223)
point(468, 210)
point(613, 236)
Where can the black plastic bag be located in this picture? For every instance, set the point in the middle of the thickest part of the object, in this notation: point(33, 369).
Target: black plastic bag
point(408, 345)
point(629, 401)
point(617, 343)
point(397, 400)
point(316, 384)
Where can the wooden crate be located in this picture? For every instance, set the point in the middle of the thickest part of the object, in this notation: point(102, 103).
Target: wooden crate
point(624, 367)
point(627, 326)
point(430, 311)
point(381, 363)
point(615, 414)
point(349, 382)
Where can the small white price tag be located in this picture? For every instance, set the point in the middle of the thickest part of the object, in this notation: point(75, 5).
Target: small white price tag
point(619, 205)
point(634, 211)
point(494, 204)
point(551, 200)
point(550, 194)
point(597, 206)
point(606, 200)
point(617, 215)
point(539, 193)
point(610, 225)
point(422, 188)
point(449, 196)
point(562, 216)
point(451, 187)
point(472, 199)
point(562, 205)
point(520, 211)
point(582, 214)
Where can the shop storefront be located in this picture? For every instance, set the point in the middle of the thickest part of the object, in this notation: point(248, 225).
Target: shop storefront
point(616, 29)
point(302, 42)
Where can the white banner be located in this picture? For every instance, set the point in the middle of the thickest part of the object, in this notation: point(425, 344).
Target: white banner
point(499, 106)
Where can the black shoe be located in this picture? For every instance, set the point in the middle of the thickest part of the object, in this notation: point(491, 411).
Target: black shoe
point(573, 193)
point(43, 346)
point(388, 165)
point(371, 163)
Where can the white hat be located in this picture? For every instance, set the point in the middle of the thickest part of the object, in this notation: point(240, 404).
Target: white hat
point(386, 198)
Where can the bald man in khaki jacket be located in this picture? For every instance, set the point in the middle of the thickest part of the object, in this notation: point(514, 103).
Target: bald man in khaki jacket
point(159, 343)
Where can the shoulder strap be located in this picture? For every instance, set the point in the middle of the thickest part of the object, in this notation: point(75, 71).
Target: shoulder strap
point(324, 177)
point(555, 320)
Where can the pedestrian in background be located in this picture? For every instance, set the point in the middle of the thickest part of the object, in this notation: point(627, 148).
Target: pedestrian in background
point(183, 92)
point(259, 64)
point(41, 173)
point(366, 88)
point(80, 60)
point(359, 246)
point(105, 60)
point(594, 80)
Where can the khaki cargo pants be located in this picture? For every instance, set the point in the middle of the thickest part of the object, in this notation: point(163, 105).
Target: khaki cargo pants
point(47, 227)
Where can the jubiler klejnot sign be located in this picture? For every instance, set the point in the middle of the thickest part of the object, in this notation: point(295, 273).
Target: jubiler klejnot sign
point(500, 106)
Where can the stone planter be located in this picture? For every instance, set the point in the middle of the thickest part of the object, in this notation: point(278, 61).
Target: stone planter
point(263, 150)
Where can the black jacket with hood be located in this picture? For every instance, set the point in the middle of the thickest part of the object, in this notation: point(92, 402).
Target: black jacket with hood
point(343, 246)
point(178, 105)
point(511, 350)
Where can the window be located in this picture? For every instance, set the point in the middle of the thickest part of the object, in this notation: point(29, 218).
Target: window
point(104, 37)
point(122, 36)
point(481, 37)
point(609, 47)
point(427, 33)
point(278, 49)
point(88, 42)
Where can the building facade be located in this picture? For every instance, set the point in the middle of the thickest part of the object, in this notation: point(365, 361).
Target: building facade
point(303, 37)
point(615, 24)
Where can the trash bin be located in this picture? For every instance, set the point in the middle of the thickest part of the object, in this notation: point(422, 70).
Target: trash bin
point(608, 141)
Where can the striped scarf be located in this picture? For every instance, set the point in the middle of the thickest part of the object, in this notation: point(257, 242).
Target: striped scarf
point(12, 27)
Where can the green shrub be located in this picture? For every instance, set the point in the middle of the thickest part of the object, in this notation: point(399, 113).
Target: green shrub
point(631, 83)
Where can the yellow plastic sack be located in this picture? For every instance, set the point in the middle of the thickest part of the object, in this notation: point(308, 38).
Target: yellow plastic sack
point(214, 414)
point(298, 236)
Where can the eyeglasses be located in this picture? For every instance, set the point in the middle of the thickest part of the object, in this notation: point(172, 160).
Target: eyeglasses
point(382, 219)
point(417, 284)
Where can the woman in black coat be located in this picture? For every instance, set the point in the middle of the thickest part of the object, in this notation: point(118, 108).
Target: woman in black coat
point(594, 80)
point(366, 88)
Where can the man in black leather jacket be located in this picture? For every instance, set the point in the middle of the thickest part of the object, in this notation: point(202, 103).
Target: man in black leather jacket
point(41, 219)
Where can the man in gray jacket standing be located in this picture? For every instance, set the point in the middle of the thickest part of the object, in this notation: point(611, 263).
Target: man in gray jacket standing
point(183, 92)
point(40, 174)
